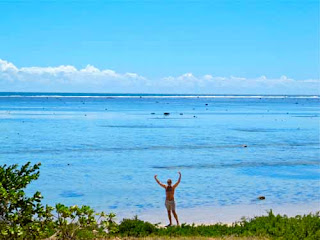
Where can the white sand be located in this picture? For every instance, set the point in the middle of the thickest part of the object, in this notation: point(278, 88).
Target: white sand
point(224, 214)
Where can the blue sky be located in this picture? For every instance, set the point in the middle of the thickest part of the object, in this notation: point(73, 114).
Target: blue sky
point(170, 46)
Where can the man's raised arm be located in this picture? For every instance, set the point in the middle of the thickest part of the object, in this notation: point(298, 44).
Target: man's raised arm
point(161, 184)
point(177, 183)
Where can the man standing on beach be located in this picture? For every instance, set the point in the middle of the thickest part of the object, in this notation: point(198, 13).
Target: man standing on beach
point(170, 203)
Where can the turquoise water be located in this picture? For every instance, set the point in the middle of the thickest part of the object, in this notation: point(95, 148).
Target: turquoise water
point(104, 149)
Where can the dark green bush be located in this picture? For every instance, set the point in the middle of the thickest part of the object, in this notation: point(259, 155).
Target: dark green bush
point(21, 216)
point(136, 228)
point(283, 227)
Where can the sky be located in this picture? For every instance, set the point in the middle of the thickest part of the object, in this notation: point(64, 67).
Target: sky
point(216, 47)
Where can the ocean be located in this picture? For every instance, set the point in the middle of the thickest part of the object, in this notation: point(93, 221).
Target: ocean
point(103, 150)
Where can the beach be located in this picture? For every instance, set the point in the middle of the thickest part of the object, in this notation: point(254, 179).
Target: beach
point(103, 151)
point(226, 214)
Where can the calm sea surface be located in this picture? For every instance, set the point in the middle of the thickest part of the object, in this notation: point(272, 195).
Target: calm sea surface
point(103, 150)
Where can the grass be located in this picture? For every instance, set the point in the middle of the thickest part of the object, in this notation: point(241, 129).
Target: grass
point(187, 238)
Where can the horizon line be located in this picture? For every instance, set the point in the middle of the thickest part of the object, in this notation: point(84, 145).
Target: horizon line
point(135, 94)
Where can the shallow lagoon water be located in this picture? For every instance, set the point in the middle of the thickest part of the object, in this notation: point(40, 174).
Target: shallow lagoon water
point(103, 150)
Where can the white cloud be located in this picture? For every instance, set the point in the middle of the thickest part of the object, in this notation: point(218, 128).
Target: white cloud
point(64, 78)
point(7, 66)
point(237, 78)
point(208, 77)
point(47, 70)
point(90, 69)
point(67, 78)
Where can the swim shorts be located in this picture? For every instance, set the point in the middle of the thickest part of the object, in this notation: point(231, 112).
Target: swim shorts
point(170, 205)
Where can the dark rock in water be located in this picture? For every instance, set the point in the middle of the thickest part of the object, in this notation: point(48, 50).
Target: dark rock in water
point(166, 114)
point(181, 113)
point(261, 197)
point(106, 109)
point(152, 113)
point(206, 104)
point(244, 145)
point(195, 116)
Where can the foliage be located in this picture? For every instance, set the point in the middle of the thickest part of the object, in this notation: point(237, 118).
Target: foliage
point(22, 216)
point(80, 222)
point(283, 227)
point(137, 228)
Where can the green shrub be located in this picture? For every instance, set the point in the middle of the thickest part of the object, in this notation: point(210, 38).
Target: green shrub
point(283, 227)
point(136, 228)
point(82, 223)
point(22, 217)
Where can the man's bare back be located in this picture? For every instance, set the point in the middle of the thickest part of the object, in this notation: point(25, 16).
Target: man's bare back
point(169, 193)
point(170, 203)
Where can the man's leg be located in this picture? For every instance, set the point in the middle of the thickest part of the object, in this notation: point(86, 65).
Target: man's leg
point(169, 216)
point(175, 216)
